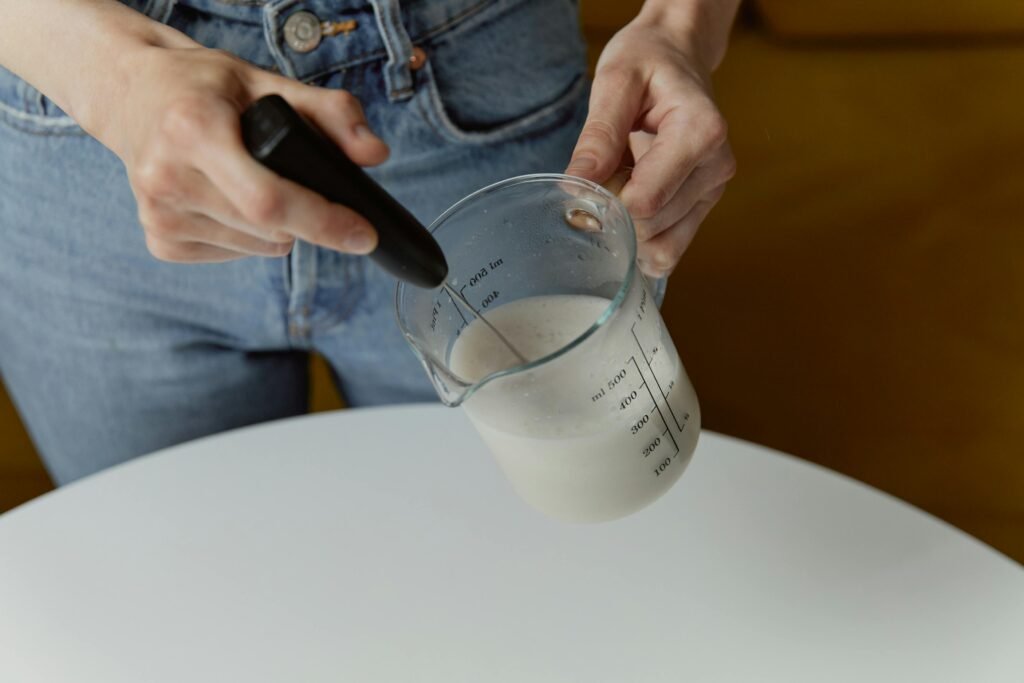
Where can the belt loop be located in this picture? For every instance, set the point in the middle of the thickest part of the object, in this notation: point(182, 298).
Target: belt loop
point(397, 74)
point(160, 10)
point(272, 34)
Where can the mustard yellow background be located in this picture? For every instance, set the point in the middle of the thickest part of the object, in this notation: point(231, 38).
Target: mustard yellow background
point(857, 298)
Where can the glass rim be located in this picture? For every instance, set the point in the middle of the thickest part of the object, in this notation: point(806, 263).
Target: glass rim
point(614, 304)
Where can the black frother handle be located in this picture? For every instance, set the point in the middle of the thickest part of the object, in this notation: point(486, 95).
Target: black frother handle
point(281, 139)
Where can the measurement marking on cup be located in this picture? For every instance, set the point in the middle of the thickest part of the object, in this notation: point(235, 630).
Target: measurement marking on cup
point(652, 446)
point(492, 296)
point(457, 309)
point(632, 330)
point(657, 472)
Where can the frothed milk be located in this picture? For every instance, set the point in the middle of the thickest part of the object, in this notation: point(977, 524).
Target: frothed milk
point(630, 445)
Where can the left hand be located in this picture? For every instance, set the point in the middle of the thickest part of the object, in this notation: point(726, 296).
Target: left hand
point(651, 108)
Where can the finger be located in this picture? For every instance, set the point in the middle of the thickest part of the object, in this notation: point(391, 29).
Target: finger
point(209, 131)
point(208, 231)
point(658, 257)
point(178, 188)
point(189, 252)
point(339, 115)
point(683, 141)
point(716, 171)
point(274, 204)
point(173, 225)
point(614, 105)
point(639, 142)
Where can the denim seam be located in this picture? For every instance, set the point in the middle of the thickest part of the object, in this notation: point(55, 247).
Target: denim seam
point(286, 276)
point(302, 297)
point(428, 34)
point(65, 125)
point(350, 294)
point(165, 8)
point(397, 75)
point(286, 291)
point(37, 102)
point(38, 124)
point(341, 67)
point(270, 30)
point(438, 118)
point(464, 20)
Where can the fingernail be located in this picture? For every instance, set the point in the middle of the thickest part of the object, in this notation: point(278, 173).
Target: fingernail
point(361, 241)
point(582, 164)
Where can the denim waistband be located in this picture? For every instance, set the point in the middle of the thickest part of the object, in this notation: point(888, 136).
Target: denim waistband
point(423, 14)
point(384, 30)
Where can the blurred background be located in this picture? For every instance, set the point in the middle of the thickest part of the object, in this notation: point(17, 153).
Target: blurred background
point(857, 297)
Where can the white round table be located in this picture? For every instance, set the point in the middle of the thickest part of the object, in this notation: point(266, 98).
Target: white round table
point(385, 545)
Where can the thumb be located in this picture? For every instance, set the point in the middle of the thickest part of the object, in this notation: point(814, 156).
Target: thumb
point(614, 105)
point(339, 115)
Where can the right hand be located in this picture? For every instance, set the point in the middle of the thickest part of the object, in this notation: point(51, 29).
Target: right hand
point(201, 196)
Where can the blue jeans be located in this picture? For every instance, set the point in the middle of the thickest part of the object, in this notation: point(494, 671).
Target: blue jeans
point(109, 353)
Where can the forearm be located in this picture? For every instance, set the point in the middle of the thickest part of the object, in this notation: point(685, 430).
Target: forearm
point(703, 24)
point(72, 50)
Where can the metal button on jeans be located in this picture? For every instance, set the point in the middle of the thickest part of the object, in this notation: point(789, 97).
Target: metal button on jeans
point(302, 31)
point(417, 59)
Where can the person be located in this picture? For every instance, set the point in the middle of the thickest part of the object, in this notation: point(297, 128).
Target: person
point(157, 284)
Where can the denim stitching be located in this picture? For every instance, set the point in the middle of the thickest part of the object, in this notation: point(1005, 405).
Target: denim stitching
point(462, 21)
point(353, 290)
point(38, 124)
point(381, 55)
point(397, 74)
point(65, 125)
point(270, 28)
point(367, 58)
point(286, 277)
point(37, 101)
point(436, 115)
point(165, 13)
point(350, 295)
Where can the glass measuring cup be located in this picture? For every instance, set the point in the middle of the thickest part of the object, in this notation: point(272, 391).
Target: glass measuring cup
point(602, 419)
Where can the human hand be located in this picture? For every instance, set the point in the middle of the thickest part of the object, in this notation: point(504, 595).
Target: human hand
point(201, 196)
point(651, 108)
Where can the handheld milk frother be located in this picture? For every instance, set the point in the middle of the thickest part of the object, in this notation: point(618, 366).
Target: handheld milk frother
point(282, 140)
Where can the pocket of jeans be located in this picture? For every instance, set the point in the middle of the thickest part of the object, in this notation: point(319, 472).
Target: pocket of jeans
point(26, 109)
point(515, 69)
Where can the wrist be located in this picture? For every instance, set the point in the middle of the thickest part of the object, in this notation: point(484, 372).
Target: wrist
point(700, 28)
point(91, 100)
point(100, 81)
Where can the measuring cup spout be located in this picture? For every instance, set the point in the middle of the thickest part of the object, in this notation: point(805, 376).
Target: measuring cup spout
point(450, 389)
